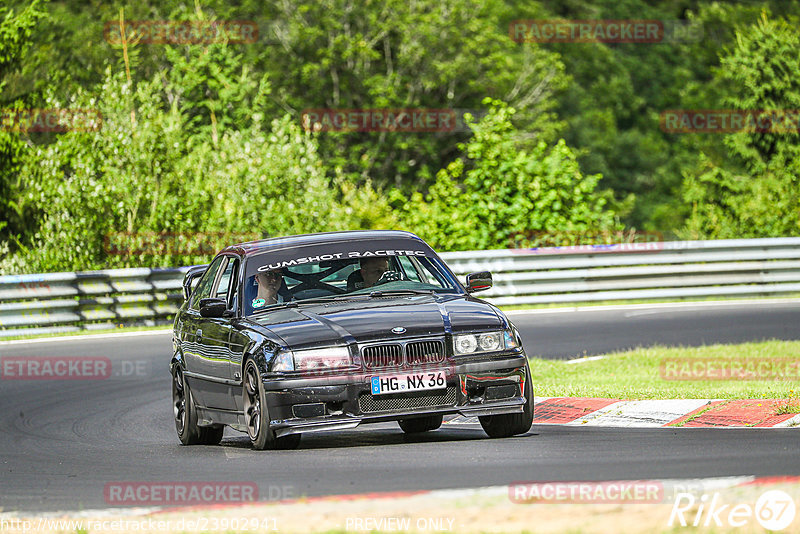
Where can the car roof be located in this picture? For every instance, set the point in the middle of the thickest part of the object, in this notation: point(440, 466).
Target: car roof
point(250, 248)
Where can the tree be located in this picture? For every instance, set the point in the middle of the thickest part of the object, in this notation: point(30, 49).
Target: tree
point(753, 189)
point(182, 165)
point(15, 38)
point(375, 54)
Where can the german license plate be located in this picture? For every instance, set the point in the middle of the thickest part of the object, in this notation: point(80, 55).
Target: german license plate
point(410, 382)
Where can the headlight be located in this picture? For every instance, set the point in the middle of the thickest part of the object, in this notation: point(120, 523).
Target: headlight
point(466, 344)
point(488, 342)
point(283, 361)
point(312, 359)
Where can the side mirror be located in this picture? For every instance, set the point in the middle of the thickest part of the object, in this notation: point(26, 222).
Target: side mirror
point(189, 279)
point(211, 307)
point(479, 281)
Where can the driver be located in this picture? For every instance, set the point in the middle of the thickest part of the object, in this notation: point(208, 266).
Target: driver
point(369, 273)
point(372, 269)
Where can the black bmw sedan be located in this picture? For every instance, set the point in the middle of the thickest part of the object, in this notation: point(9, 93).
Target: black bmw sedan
point(328, 331)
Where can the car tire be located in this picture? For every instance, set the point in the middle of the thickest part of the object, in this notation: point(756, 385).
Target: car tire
point(185, 412)
point(512, 424)
point(257, 415)
point(420, 424)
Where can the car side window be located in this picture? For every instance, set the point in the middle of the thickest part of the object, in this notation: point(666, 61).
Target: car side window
point(206, 282)
point(227, 282)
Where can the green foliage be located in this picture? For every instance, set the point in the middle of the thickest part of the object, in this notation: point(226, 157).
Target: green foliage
point(206, 138)
point(378, 54)
point(123, 178)
point(158, 171)
point(611, 110)
point(15, 34)
point(15, 37)
point(753, 189)
point(270, 181)
point(214, 89)
point(499, 195)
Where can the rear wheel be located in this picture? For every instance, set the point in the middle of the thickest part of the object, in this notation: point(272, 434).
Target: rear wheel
point(257, 415)
point(507, 425)
point(185, 413)
point(420, 424)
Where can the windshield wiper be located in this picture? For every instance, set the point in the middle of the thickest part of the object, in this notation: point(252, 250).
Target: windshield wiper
point(332, 298)
point(279, 306)
point(327, 299)
point(295, 303)
point(392, 292)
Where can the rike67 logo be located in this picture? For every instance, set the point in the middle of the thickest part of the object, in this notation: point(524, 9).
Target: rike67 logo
point(774, 510)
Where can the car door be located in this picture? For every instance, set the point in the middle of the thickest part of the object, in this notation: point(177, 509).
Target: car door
point(230, 332)
point(197, 353)
point(237, 338)
point(213, 335)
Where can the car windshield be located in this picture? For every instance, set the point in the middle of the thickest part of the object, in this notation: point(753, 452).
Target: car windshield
point(280, 279)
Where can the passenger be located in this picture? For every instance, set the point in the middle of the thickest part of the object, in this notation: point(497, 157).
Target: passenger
point(269, 282)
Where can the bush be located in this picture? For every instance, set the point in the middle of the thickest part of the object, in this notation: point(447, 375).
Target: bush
point(499, 194)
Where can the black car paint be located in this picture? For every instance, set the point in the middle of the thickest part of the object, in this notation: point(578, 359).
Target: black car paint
point(371, 319)
point(212, 351)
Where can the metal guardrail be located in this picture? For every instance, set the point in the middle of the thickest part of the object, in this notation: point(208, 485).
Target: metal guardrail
point(63, 302)
point(668, 270)
point(66, 302)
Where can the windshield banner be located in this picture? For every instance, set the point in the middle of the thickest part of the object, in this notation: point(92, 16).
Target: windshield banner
point(290, 258)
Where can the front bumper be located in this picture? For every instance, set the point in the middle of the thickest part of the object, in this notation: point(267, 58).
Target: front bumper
point(475, 388)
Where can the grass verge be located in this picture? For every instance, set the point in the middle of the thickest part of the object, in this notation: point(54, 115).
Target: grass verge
point(637, 374)
point(687, 300)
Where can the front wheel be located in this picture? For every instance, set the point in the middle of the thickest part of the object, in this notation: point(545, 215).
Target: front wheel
point(420, 424)
point(511, 424)
point(185, 413)
point(257, 415)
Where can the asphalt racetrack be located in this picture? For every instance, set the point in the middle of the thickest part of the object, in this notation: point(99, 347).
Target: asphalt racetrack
point(63, 441)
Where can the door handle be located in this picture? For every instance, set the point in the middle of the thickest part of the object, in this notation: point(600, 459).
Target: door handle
point(199, 333)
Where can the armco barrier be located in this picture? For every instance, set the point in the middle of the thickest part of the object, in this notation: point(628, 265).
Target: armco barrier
point(58, 302)
point(678, 269)
point(65, 302)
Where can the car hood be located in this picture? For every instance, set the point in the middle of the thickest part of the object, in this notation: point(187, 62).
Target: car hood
point(374, 319)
